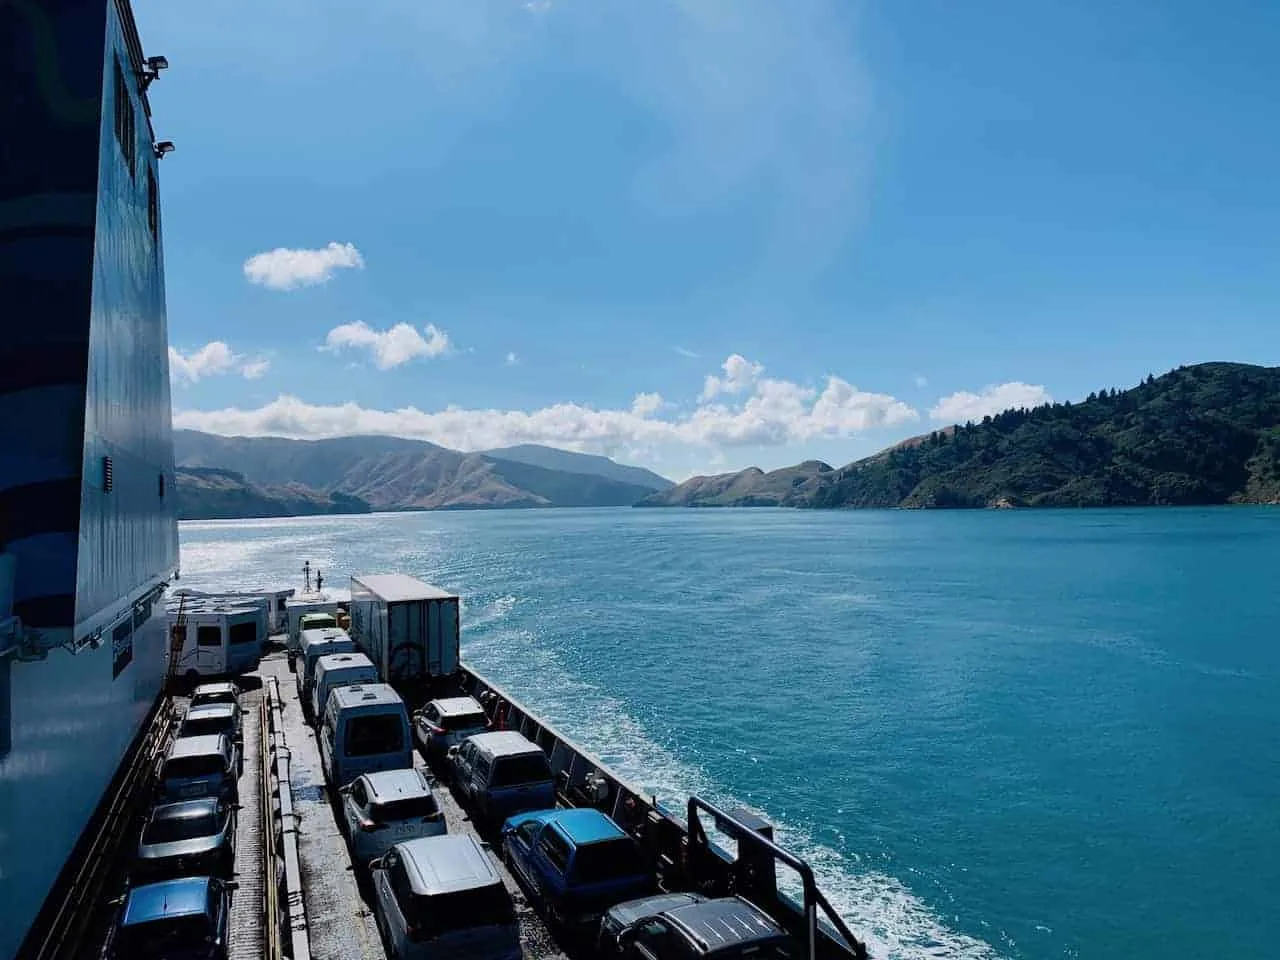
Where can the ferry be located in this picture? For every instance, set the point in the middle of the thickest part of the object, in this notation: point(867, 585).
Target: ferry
point(163, 791)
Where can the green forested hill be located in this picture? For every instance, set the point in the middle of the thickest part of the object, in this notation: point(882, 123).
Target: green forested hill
point(1203, 434)
point(1198, 435)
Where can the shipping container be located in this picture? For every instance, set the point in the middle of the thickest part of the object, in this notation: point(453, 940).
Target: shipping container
point(409, 629)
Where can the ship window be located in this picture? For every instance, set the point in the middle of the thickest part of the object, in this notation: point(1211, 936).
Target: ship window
point(153, 208)
point(209, 637)
point(161, 479)
point(106, 474)
point(126, 129)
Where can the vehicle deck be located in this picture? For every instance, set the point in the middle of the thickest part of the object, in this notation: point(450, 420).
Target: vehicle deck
point(340, 920)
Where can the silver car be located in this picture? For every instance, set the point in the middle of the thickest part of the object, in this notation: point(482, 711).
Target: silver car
point(441, 898)
point(196, 767)
point(388, 807)
point(211, 719)
point(446, 722)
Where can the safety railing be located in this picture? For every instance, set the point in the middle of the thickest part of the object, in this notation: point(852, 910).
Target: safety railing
point(287, 932)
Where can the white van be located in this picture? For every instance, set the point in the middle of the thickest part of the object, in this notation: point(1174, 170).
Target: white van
point(365, 729)
point(338, 670)
point(316, 644)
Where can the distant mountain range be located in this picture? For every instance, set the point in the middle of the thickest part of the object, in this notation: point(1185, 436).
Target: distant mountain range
point(227, 477)
point(1202, 434)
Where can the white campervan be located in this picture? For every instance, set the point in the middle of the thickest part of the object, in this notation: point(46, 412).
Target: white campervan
point(335, 670)
point(222, 637)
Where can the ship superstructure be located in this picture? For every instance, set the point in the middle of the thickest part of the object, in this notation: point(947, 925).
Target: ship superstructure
point(87, 514)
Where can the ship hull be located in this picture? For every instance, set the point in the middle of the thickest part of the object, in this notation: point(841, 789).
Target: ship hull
point(88, 530)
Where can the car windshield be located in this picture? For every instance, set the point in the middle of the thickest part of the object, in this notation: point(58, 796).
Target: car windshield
point(222, 696)
point(177, 768)
point(526, 768)
point(406, 808)
point(174, 829)
point(318, 621)
point(606, 860)
point(462, 721)
point(377, 733)
point(481, 907)
point(159, 937)
point(203, 726)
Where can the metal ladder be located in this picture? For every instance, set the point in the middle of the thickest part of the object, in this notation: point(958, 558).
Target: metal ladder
point(177, 639)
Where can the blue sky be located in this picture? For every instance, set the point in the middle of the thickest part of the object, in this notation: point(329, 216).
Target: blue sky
point(702, 234)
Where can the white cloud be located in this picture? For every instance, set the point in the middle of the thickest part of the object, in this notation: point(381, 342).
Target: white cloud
point(392, 347)
point(512, 359)
point(685, 352)
point(214, 359)
point(739, 374)
point(285, 269)
point(964, 406)
point(921, 381)
point(255, 369)
point(646, 404)
point(772, 413)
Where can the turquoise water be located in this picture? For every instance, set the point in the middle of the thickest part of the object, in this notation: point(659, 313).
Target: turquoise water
point(1021, 734)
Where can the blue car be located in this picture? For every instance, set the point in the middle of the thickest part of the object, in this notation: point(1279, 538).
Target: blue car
point(175, 920)
point(577, 863)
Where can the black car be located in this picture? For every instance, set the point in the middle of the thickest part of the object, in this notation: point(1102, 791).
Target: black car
point(187, 839)
point(625, 915)
point(726, 929)
point(175, 920)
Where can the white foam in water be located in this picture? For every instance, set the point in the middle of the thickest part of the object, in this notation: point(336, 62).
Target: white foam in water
point(895, 923)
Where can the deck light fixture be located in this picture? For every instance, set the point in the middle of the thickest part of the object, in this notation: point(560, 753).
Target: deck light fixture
point(154, 66)
point(163, 147)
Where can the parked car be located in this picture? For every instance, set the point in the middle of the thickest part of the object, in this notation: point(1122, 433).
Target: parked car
point(208, 693)
point(211, 719)
point(577, 863)
point(500, 774)
point(440, 898)
point(198, 767)
point(727, 929)
point(445, 723)
point(389, 807)
point(172, 919)
point(624, 915)
point(185, 839)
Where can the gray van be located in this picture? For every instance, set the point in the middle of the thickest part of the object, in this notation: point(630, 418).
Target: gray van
point(502, 773)
point(365, 729)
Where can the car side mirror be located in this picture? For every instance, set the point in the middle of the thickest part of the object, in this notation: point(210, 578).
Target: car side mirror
point(375, 863)
point(453, 752)
point(237, 806)
point(231, 885)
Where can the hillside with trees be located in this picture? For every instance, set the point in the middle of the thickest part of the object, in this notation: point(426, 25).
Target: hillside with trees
point(1204, 434)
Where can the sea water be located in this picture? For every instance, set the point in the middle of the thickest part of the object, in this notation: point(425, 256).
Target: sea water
point(993, 734)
